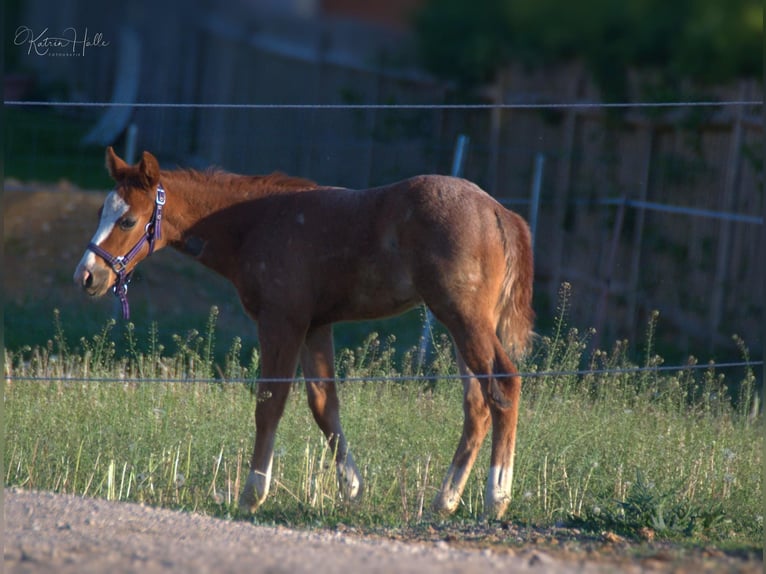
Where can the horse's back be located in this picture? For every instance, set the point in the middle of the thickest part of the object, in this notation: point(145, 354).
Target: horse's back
point(376, 252)
point(450, 217)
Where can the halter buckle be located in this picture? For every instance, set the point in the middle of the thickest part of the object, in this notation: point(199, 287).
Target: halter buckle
point(119, 265)
point(160, 198)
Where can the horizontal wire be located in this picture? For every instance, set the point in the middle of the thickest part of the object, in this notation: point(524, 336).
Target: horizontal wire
point(393, 379)
point(310, 106)
point(654, 206)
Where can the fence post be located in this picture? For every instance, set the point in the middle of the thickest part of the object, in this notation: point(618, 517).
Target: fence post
point(638, 234)
point(717, 303)
point(459, 155)
point(130, 143)
point(560, 201)
point(561, 189)
point(606, 282)
point(534, 207)
point(457, 169)
point(495, 131)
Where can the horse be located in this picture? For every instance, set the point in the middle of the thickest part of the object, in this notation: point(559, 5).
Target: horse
point(303, 257)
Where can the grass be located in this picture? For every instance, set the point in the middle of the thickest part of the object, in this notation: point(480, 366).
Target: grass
point(674, 454)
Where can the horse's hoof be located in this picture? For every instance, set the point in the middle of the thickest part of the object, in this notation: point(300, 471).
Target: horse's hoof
point(349, 481)
point(494, 510)
point(445, 504)
point(248, 504)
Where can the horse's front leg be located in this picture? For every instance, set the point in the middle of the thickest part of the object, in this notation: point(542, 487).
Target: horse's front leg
point(280, 346)
point(317, 361)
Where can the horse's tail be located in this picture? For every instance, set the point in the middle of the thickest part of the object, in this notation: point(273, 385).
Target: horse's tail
point(514, 306)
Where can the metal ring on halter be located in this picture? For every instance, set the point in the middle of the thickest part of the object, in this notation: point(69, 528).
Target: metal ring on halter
point(119, 265)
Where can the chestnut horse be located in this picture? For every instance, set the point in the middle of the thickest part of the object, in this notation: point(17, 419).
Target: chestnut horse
point(303, 257)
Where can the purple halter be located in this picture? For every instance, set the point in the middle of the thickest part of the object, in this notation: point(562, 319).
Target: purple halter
point(119, 265)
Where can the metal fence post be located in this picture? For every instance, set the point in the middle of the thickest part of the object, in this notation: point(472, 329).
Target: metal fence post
point(537, 184)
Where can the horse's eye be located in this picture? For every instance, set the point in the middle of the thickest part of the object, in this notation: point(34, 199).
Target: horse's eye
point(127, 223)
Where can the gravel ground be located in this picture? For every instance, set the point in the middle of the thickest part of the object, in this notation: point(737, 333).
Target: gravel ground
point(46, 532)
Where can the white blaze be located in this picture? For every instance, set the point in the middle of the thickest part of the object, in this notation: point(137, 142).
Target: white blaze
point(114, 208)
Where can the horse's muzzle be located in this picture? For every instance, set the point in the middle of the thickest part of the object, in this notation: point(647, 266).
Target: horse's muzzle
point(95, 281)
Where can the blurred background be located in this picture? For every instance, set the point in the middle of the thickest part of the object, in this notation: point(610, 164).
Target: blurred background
point(639, 208)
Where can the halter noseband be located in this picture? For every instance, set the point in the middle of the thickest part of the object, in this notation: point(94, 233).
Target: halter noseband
point(152, 232)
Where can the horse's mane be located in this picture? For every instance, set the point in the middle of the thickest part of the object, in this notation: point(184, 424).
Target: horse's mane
point(283, 181)
point(276, 181)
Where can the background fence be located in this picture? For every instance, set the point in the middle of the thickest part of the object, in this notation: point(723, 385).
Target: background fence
point(610, 177)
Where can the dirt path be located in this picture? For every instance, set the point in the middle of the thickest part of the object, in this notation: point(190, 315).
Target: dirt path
point(57, 533)
point(47, 532)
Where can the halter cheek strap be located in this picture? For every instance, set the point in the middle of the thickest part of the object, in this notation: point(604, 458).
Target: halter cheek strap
point(119, 264)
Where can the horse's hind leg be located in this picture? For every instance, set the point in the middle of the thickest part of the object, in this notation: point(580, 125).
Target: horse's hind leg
point(501, 391)
point(317, 361)
point(505, 417)
point(279, 357)
point(475, 426)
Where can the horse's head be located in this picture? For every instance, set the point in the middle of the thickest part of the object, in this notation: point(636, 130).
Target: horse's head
point(129, 226)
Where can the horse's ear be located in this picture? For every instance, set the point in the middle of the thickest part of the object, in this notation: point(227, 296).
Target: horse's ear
point(150, 169)
point(114, 165)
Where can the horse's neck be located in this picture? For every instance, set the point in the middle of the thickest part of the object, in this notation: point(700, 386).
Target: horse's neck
point(193, 228)
point(191, 199)
point(199, 195)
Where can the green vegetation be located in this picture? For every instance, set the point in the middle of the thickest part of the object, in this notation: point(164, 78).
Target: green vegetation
point(702, 41)
point(43, 144)
point(673, 452)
